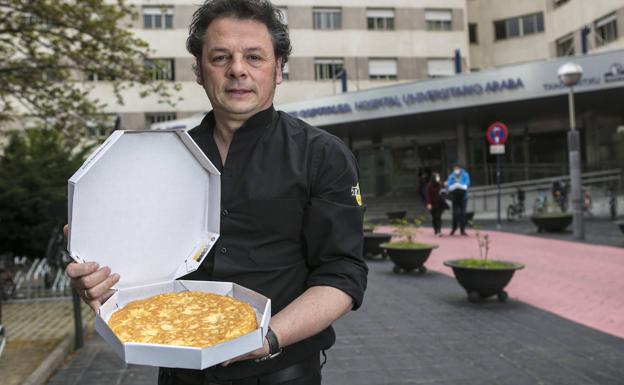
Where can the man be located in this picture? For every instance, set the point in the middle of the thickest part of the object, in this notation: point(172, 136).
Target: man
point(457, 184)
point(291, 223)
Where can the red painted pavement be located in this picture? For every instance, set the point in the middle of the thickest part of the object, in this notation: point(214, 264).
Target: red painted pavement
point(581, 282)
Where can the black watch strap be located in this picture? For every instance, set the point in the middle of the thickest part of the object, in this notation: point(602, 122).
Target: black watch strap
point(274, 348)
point(271, 338)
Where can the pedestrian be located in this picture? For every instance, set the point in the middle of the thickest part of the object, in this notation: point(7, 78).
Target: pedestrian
point(457, 183)
point(292, 215)
point(435, 203)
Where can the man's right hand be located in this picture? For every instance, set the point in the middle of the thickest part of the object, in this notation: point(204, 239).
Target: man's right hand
point(92, 282)
point(429, 207)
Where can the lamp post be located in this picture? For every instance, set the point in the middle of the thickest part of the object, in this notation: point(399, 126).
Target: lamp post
point(570, 74)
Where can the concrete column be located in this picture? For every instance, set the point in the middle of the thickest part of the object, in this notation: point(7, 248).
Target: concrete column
point(591, 137)
point(462, 144)
point(526, 145)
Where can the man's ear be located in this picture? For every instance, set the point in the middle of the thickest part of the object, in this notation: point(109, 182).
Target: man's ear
point(198, 72)
point(279, 76)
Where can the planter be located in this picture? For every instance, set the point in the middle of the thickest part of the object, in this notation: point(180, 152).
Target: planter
point(396, 214)
point(408, 259)
point(620, 224)
point(552, 223)
point(480, 282)
point(372, 242)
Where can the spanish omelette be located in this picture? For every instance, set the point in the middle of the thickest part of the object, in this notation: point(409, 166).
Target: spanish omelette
point(190, 318)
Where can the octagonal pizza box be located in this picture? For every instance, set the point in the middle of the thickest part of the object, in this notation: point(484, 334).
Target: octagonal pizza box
point(147, 204)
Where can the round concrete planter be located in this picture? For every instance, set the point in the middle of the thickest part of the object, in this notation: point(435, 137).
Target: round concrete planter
point(409, 259)
point(552, 223)
point(620, 224)
point(481, 283)
point(396, 214)
point(372, 242)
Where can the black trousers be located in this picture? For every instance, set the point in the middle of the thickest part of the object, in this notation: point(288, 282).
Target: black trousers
point(306, 372)
point(436, 218)
point(458, 197)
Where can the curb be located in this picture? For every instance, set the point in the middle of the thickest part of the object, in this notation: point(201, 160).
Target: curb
point(52, 362)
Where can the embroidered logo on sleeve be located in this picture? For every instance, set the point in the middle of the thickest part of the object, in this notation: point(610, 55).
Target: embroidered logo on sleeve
point(355, 192)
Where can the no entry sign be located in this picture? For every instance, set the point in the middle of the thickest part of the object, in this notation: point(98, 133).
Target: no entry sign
point(497, 133)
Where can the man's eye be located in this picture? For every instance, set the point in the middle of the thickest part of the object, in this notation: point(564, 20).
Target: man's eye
point(218, 59)
point(254, 57)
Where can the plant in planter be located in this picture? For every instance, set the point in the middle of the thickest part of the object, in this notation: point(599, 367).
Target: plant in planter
point(407, 254)
point(482, 277)
point(552, 219)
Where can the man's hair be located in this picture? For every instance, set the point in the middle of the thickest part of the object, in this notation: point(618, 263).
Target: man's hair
point(259, 10)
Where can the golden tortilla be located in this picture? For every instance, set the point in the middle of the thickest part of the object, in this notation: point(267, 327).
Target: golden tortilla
point(189, 318)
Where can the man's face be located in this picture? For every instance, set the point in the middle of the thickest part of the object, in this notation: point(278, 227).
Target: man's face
point(238, 68)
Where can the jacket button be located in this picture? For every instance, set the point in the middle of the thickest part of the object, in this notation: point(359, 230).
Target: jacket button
point(225, 213)
point(223, 250)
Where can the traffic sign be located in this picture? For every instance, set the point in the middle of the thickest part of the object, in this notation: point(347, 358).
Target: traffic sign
point(497, 149)
point(497, 133)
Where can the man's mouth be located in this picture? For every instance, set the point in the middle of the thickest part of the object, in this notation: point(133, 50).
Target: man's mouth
point(238, 91)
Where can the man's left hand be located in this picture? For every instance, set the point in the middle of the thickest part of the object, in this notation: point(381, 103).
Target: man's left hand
point(258, 353)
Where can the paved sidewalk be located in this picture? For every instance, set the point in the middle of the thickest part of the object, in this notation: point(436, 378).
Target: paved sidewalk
point(415, 329)
point(34, 328)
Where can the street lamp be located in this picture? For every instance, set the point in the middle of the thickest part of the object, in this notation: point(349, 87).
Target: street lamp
point(570, 74)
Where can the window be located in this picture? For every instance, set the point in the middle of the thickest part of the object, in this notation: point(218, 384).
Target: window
point(519, 26)
point(94, 77)
point(472, 33)
point(104, 126)
point(559, 3)
point(284, 12)
point(606, 30)
point(327, 18)
point(157, 117)
point(285, 72)
point(160, 69)
point(327, 69)
point(437, 68)
point(439, 19)
point(158, 17)
point(565, 46)
point(380, 19)
point(382, 69)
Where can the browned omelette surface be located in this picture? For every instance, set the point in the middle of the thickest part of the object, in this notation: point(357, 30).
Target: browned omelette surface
point(189, 318)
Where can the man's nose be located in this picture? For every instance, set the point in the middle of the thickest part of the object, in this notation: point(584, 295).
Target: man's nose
point(238, 67)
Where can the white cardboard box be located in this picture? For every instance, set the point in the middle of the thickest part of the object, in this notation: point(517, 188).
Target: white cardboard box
point(147, 204)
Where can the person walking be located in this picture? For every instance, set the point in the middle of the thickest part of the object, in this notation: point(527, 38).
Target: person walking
point(435, 204)
point(457, 183)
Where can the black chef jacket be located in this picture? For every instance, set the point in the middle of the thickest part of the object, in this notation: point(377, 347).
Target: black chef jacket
point(291, 218)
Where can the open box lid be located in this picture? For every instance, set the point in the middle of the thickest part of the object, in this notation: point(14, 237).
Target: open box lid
point(146, 204)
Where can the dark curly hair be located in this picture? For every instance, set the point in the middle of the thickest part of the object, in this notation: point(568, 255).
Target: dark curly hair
point(260, 10)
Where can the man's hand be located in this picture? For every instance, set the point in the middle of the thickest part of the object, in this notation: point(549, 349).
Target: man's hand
point(92, 282)
point(258, 353)
point(429, 207)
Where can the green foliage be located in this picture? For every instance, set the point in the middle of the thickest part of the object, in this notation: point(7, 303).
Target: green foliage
point(406, 229)
point(407, 245)
point(483, 263)
point(48, 47)
point(34, 169)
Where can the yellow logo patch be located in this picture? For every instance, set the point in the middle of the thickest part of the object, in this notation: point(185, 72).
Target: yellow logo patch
point(355, 192)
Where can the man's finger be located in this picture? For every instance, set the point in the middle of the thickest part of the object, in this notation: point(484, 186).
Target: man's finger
point(77, 270)
point(66, 230)
point(101, 289)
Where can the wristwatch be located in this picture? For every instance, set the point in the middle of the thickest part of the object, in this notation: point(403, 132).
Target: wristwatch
point(274, 348)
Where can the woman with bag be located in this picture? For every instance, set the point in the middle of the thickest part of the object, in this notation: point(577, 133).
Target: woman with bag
point(435, 203)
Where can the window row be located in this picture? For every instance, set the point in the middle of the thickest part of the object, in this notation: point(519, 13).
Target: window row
point(605, 31)
point(323, 18)
point(519, 26)
point(324, 69)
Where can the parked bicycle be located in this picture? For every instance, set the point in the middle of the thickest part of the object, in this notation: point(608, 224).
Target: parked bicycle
point(516, 209)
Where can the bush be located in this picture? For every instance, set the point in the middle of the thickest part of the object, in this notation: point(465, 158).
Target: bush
point(34, 168)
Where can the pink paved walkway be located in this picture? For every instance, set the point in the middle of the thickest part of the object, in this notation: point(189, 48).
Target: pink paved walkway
point(581, 282)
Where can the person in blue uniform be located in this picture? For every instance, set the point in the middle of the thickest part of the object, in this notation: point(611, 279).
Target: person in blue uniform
point(291, 208)
point(457, 185)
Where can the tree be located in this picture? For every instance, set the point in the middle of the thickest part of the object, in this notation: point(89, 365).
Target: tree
point(48, 46)
point(34, 170)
